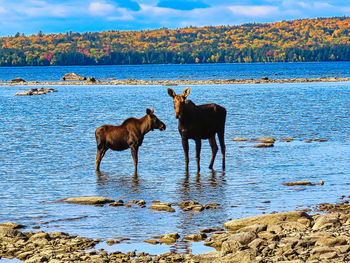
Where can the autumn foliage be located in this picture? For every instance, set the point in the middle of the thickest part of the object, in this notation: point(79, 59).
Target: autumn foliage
point(322, 39)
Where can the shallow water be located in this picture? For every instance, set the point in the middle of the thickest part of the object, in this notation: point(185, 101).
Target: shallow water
point(48, 151)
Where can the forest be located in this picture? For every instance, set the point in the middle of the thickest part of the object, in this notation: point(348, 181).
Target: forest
point(319, 39)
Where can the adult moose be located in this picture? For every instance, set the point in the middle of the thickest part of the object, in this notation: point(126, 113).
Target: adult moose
point(129, 134)
point(199, 122)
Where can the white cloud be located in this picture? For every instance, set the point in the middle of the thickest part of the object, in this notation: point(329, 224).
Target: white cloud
point(253, 11)
point(101, 8)
point(121, 14)
point(47, 10)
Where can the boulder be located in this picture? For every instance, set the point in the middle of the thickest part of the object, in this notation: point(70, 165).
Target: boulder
point(9, 232)
point(88, 200)
point(169, 238)
point(91, 80)
point(12, 225)
point(72, 76)
point(269, 219)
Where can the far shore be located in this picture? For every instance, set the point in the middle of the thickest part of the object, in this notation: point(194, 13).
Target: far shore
point(264, 80)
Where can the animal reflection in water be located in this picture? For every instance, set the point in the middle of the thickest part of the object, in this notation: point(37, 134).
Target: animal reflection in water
point(129, 134)
point(199, 122)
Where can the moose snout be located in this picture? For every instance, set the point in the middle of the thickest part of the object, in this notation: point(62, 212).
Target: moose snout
point(162, 127)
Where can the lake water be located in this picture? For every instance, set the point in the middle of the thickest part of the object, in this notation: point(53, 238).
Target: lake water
point(48, 150)
point(187, 71)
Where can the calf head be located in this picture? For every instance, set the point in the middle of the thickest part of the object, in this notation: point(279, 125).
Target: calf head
point(179, 101)
point(155, 122)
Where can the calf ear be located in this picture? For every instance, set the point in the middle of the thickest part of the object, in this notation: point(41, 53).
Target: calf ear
point(149, 112)
point(186, 92)
point(171, 92)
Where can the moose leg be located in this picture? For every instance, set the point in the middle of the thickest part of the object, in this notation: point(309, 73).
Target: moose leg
point(134, 153)
point(223, 148)
point(198, 153)
point(100, 153)
point(214, 150)
point(186, 148)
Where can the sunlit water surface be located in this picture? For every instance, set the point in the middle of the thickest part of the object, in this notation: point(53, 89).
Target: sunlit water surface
point(48, 150)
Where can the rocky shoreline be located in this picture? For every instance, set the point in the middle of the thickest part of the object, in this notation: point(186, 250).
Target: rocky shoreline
point(278, 237)
point(93, 81)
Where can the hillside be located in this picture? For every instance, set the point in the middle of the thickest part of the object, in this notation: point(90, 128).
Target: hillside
point(322, 39)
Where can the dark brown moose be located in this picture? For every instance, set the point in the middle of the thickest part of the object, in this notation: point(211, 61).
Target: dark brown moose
point(129, 134)
point(199, 122)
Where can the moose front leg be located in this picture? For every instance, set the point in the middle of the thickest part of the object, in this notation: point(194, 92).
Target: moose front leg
point(134, 153)
point(186, 149)
point(198, 153)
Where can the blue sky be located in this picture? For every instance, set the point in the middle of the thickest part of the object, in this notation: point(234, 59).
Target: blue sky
point(30, 16)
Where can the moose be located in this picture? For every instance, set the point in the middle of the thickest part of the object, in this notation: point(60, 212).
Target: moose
point(199, 122)
point(129, 134)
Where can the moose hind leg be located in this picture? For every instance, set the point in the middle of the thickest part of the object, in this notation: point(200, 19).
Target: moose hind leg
point(223, 148)
point(100, 153)
point(214, 150)
point(134, 153)
point(198, 153)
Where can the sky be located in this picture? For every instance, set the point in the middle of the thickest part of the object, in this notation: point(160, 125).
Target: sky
point(31, 16)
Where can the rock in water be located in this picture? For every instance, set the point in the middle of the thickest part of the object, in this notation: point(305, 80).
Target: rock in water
point(88, 200)
point(73, 76)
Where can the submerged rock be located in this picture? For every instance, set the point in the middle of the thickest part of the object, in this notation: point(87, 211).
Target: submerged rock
point(298, 183)
point(88, 200)
point(239, 139)
point(35, 91)
point(264, 145)
point(196, 237)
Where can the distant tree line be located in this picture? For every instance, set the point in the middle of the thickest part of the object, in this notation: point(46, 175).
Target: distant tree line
point(322, 39)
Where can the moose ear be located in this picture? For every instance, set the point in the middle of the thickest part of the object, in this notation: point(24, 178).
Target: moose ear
point(186, 92)
point(149, 112)
point(171, 93)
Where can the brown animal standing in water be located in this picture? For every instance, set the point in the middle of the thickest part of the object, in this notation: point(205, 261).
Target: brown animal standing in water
point(199, 122)
point(129, 134)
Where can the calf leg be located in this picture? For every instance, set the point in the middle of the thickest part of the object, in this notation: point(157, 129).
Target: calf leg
point(134, 153)
point(100, 153)
point(214, 150)
point(223, 147)
point(198, 153)
point(186, 148)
